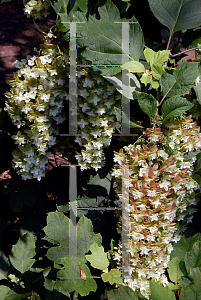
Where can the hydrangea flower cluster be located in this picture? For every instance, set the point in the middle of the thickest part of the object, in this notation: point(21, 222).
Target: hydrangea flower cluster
point(34, 104)
point(95, 118)
point(37, 9)
point(162, 193)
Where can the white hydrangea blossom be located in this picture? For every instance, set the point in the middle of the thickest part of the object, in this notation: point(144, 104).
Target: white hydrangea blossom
point(37, 10)
point(27, 104)
point(36, 103)
point(161, 195)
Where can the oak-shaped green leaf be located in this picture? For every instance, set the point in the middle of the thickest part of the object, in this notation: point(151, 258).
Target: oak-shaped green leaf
point(113, 276)
point(97, 258)
point(177, 14)
point(4, 265)
point(22, 253)
point(134, 66)
point(174, 107)
point(147, 103)
point(176, 269)
point(193, 257)
point(184, 245)
point(100, 41)
point(71, 281)
point(57, 230)
point(124, 292)
point(159, 292)
point(192, 291)
point(181, 80)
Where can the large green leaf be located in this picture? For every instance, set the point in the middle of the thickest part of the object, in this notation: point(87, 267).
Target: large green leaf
point(147, 103)
point(174, 107)
point(181, 80)
point(57, 230)
point(176, 269)
point(159, 292)
point(67, 284)
point(124, 292)
point(113, 276)
point(4, 265)
point(97, 258)
point(192, 291)
point(184, 245)
point(22, 253)
point(193, 257)
point(177, 14)
point(101, 40)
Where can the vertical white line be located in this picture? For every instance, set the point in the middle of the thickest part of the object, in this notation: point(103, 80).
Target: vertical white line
point(73, 81)
point(125, 81)
point(72, 222)
point(125, 219)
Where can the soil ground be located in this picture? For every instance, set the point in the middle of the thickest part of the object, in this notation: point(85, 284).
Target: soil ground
point(18, 37)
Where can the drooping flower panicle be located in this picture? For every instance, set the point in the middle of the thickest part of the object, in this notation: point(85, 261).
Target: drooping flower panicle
point(162, 193)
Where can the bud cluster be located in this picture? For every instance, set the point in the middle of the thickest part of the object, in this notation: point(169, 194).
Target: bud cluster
point(162, 193)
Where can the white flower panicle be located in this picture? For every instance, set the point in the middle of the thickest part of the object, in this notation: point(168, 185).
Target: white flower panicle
point(37, 9)
point(35, 105)
point(162, 193)
point(94, 118)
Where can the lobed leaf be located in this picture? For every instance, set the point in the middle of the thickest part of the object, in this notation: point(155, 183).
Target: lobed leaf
point(57, 229)
point(100, 41)
point(69, 282)
point(97, 258)
point(22, 253)
point(113, 276)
